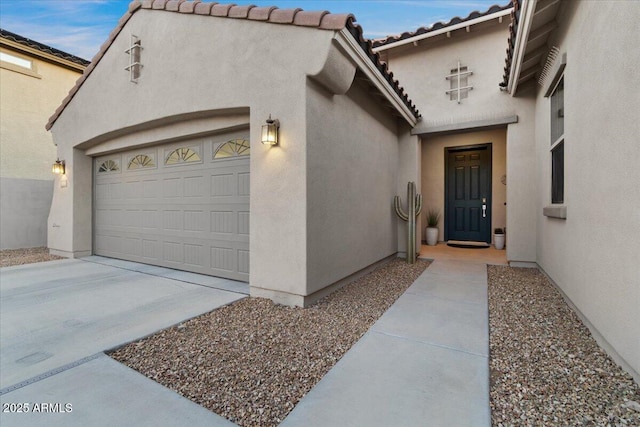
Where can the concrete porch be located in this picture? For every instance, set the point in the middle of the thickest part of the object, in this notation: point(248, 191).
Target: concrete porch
point(447, 253)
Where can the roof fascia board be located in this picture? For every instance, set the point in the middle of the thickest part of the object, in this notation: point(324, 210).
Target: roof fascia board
point(444, 30)
point(42, 55)
point(353, 49)
point(520, 46)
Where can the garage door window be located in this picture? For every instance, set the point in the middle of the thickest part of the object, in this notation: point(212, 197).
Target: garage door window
point(182, 155)
point(141, 161)
point(232, 148)
point(109, 166)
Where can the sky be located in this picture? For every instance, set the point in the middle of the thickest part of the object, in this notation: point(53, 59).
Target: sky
point(79, 27)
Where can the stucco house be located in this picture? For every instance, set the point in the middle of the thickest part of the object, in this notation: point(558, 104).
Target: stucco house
point(167, 167)
point(34, 78)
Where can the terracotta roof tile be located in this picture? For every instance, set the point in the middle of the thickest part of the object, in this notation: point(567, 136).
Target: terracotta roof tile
point(159, 4)
point(134, 5)
point(240, 11)
point(439, 25)
point(203, 8)
point(221, 9)
point(334, 21)
point(173, 5)
point(309, 19)
point(261, 13)
point(283, 16)
point(189, 6)
point(320, 19)
point(513, 30)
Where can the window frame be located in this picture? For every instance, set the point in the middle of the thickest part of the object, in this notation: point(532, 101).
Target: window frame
point(557, 146)
point(556, 207)
point(31, 71)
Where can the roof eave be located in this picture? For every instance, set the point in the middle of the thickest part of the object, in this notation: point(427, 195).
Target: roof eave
point(520, 45)
point(43, 55)
point(351, 46)
point(444, 30)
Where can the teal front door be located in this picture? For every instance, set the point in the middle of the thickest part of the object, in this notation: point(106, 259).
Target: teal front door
point(468, 193)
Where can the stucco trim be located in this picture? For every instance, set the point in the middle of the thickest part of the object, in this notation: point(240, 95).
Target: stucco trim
point(68, 254)
point(424, 129)
point(18, 69)
point(555, 211)
point(349, 44)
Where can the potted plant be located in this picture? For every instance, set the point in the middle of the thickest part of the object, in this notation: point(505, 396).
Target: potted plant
point(433, 218)
point(498, 238)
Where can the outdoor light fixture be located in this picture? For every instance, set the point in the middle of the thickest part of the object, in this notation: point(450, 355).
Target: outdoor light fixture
point(270, 131)
point(58, 167)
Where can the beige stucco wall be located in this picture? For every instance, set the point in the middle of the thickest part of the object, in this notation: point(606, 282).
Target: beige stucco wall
point(352, 158)
point(593, 254)
point(27, 99)
point(433, 173)
point(422, 70)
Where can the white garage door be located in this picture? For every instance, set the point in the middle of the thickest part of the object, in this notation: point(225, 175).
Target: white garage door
point(183, 206)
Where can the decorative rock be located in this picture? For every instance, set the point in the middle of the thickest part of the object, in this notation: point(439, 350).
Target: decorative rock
point(632, 405)
point(545, 363)
point(252, 361)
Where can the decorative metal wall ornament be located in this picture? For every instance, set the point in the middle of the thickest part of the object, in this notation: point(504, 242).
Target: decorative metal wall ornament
point(134, 59)
point(414, 205)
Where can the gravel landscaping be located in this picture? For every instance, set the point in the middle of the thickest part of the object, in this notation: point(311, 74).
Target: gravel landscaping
point(546, 368)
point(9, 257)
point(253, 360)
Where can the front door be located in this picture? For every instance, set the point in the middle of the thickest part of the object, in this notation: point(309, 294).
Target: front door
point(468, 193)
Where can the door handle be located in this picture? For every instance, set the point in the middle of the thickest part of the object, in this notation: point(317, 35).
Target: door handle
point(484, 211)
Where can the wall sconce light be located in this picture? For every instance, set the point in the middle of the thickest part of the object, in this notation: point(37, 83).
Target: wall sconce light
point(58, 167)
point(270, 131)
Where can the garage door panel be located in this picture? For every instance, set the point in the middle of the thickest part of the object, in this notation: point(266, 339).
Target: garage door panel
point(243, 223)
point(190, 216)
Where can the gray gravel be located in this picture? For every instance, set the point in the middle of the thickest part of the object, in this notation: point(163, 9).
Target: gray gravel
point(252, 361)
point(546, 368)
point(9, 257)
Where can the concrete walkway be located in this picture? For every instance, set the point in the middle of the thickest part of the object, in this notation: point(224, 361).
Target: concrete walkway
point(425, 362)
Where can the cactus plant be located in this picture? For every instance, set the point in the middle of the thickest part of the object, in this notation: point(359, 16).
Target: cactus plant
point(414, 206)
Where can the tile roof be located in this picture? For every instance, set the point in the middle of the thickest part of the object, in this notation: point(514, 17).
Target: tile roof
point(323, 20)
point(439, 25)
point(513, 30)
point(42, 47)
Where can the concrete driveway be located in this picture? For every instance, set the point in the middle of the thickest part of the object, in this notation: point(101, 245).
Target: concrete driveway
point(56, 319)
